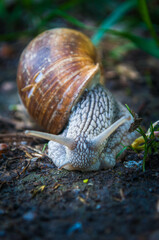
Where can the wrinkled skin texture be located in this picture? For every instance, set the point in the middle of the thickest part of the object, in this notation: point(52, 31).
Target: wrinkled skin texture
point(94, 113)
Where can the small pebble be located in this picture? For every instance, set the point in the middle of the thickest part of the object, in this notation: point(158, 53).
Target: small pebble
point(77, 227)
point(98, 206)
point(90, 184)
point(133, 164)
point(29, 216)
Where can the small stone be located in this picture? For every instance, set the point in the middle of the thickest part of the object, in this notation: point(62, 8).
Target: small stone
point(77, 227)
point(29, 216)
point(98, 206)
point(133, 164)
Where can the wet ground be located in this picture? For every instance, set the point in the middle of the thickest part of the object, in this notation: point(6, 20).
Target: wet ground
point(37, 201)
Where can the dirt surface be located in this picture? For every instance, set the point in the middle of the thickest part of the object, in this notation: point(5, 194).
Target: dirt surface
point(38, 201)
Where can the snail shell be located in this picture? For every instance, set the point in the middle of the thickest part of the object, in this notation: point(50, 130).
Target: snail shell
point(54, 70)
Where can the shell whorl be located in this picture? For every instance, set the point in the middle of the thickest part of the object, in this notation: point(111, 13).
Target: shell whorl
point(54, 70)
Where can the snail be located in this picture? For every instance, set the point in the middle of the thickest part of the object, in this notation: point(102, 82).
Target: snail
point(60, 82)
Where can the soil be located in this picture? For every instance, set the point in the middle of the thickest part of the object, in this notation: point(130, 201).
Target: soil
point(38, 201)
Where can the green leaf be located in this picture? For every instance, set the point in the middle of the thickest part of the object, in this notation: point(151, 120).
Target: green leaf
point(112, 19)
point(3, 10)
point(146, 17)
point(147, 45)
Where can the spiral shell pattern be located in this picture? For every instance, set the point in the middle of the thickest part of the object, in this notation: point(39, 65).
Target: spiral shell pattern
point(54, 70)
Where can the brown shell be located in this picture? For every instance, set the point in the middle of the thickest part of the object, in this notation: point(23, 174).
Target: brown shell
point(54, 70)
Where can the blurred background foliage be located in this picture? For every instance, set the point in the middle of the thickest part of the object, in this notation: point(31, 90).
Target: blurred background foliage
point(135, 20)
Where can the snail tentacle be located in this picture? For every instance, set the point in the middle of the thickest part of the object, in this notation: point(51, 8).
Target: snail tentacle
point(70, 143)
point(98, 140)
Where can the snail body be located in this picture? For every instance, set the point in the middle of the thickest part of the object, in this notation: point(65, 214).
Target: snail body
point(60, 83)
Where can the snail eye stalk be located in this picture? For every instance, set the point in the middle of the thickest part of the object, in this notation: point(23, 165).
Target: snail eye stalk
point(70, 143)
point(97, 141)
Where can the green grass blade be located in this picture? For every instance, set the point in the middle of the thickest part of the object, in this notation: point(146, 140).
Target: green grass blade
point(146, 18)
point(3, 10)
point(70, 19)
point(121, 151)
point(147, 45)
point(62, 14)
point(70, 4)
point(112, 19)
point(44, 147)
